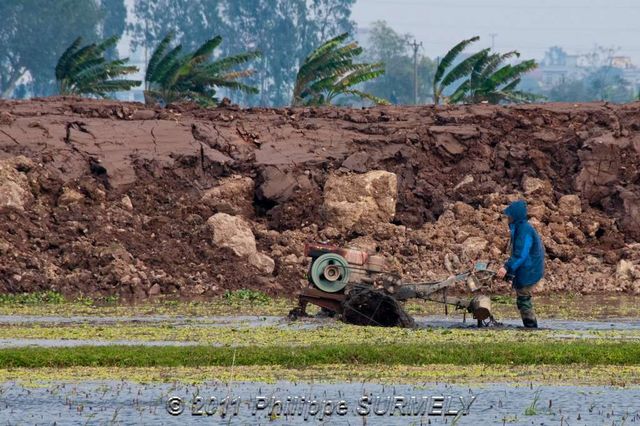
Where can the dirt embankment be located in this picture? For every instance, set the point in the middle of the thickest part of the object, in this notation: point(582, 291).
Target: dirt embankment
point(105, 197)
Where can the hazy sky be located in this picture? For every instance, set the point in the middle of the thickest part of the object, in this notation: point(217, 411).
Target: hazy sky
point(528, 26)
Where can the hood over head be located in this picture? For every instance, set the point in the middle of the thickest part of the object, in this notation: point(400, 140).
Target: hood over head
point(517, 211)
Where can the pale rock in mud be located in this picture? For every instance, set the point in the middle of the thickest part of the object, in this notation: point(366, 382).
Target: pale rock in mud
point(537, 211)
point(70, 196)
point(15, 191)
point(233, 195)
point(468, 179)
point(446, 219)
point(235, 233)
point(531, 185)
point(232, 232)
point(6, 118)
point(463, 211)
point(5, 247)
point(364, 199)
point(474, 247)
point(330, 233)
point(365, 243)
point(290, 259)
point(126, 203)
point(626, 271)
point(570, 205)
point(262, 262)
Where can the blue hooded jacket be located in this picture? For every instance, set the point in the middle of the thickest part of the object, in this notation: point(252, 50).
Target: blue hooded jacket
point(526, 263)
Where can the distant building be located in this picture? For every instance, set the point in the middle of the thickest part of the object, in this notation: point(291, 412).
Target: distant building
point(557, 66)
point(622, 62)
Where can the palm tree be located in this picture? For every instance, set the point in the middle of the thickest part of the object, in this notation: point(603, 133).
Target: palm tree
point(442, 81)
point(175, 76)
point(329, 71)
point(84, 70)
point(490, 81)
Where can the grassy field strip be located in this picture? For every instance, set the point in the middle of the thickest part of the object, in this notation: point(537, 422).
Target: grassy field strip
point(488, 353)
point(336, 333)
point(566, 306)
point(573, 375)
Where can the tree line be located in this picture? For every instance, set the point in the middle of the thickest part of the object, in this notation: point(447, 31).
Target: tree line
point(337, 70)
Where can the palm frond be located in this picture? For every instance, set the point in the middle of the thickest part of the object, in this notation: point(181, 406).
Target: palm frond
point(493, 62)
point(157, 55)
point(85, 70)
point(193, 76)
point(463, 68)
point(204, 52)
point(63, 62)
point(330, 70)
point(328, 45)
point(107, 44)
point(451, 55)
point(232, 61)
point(460, 94)
point(365, 73)
point(166, 64)
point(515, 71)
point(512, 85)
point(332, 54)
point(236, 74)
point(236, 85)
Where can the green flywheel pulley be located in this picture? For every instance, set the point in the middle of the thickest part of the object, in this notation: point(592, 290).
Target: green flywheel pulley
point(330, 272)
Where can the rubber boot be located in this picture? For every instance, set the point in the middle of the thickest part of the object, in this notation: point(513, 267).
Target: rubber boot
point(528, 315)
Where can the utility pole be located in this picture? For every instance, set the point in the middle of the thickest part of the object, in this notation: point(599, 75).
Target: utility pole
point(146, 43)
point(415, 45)
point(493, 40)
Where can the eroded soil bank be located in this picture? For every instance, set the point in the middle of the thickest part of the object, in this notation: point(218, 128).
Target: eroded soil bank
point(99, 197)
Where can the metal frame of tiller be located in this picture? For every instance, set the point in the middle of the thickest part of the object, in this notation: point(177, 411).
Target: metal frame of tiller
point(335, 271)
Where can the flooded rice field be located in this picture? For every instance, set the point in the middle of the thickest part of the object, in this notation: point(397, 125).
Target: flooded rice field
point(209, 321)
point(424, 321)
point(161, 330)
point(123, 402)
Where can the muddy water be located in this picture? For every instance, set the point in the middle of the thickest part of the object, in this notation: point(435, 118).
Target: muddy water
point(62, 343)
point(108, 402)
point(549, 324)
point(209, 321)
point(620, 324)
point(438, 321)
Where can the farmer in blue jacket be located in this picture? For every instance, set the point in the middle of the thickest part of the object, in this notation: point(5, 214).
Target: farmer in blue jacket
point(526, 264)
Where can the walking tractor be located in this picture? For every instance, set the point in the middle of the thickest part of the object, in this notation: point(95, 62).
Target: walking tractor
point(354, 285)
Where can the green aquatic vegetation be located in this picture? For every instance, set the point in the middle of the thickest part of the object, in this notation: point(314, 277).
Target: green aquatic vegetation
point(574, 374)
point(503, 300)
point(248, 302)
point(170, 307)
point(111, 300)
point(243, 296)
point(255, 334)
point(30, 299)
point(486, 353)
point(84, 300)
point(532, 410)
